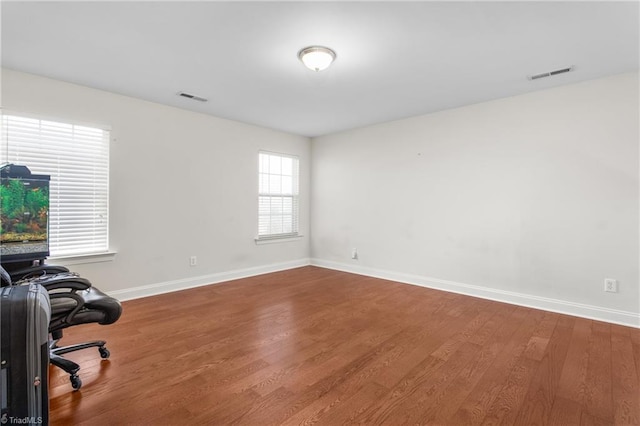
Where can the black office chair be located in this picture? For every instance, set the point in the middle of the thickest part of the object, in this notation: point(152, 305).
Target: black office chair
point(74, 301)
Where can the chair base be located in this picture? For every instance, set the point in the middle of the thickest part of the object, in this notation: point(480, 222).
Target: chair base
point(69, 366)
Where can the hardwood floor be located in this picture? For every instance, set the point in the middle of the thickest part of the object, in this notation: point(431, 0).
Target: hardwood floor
point(312, 345)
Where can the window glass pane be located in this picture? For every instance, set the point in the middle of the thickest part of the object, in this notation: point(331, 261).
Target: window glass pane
point(275, 184)
point(264, 183)
point(287, 205)
point(264, 223)
point(264, 205)
point(275, 164)
point(287, 166)
point(287, 185)
point(276, 224)
point(263, 164)
point(287, 224)
point(276, 206)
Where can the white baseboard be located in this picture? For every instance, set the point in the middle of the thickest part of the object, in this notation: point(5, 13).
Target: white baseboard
point(630, 319)
point(626, 318)
point(186, 283)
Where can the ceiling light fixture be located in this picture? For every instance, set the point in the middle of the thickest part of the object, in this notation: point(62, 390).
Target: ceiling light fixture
point(317, 58)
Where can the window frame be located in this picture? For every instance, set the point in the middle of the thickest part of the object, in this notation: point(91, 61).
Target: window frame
point(98, 248)
point(294, 196)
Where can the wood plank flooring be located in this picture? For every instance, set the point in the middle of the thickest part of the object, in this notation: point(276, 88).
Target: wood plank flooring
point(316, 346)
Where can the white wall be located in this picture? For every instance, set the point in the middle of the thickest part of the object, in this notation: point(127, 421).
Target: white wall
point(181, 184)
point(532, 199)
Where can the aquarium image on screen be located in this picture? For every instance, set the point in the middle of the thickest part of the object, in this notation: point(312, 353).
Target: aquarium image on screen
point(24, 218)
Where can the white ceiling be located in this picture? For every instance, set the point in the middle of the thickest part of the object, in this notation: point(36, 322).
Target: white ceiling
point(395, 59)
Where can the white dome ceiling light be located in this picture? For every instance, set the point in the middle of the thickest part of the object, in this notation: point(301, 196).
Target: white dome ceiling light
point(317, 58)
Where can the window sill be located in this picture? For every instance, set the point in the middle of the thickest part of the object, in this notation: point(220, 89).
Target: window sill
point(260, 241)
point(85, 258)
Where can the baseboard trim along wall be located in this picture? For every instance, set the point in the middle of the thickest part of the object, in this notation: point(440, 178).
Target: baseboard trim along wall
point(598, 313)
point(202, 280)
point(629, 319)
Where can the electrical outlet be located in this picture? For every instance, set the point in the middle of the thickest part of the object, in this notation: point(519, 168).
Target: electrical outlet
point(193, 261)
point(610, 285)
point(354, 253)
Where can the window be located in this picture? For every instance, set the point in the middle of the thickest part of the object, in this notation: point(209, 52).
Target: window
point(278, 196)
point(77, 159)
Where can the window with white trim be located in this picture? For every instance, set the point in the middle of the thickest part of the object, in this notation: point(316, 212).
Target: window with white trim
point(277, 196)
point(77, 159)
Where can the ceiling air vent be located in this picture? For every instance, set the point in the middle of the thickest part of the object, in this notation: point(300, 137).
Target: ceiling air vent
point(550, 73)
point(190, 96)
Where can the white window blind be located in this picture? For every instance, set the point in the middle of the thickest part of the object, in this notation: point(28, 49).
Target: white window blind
point(278, 196)
point(77, 159)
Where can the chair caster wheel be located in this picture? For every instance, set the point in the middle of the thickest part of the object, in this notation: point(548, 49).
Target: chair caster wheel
point(76, 383)
point(104, 352)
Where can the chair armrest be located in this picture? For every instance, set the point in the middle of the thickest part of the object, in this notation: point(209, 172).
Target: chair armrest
point(68, 318)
